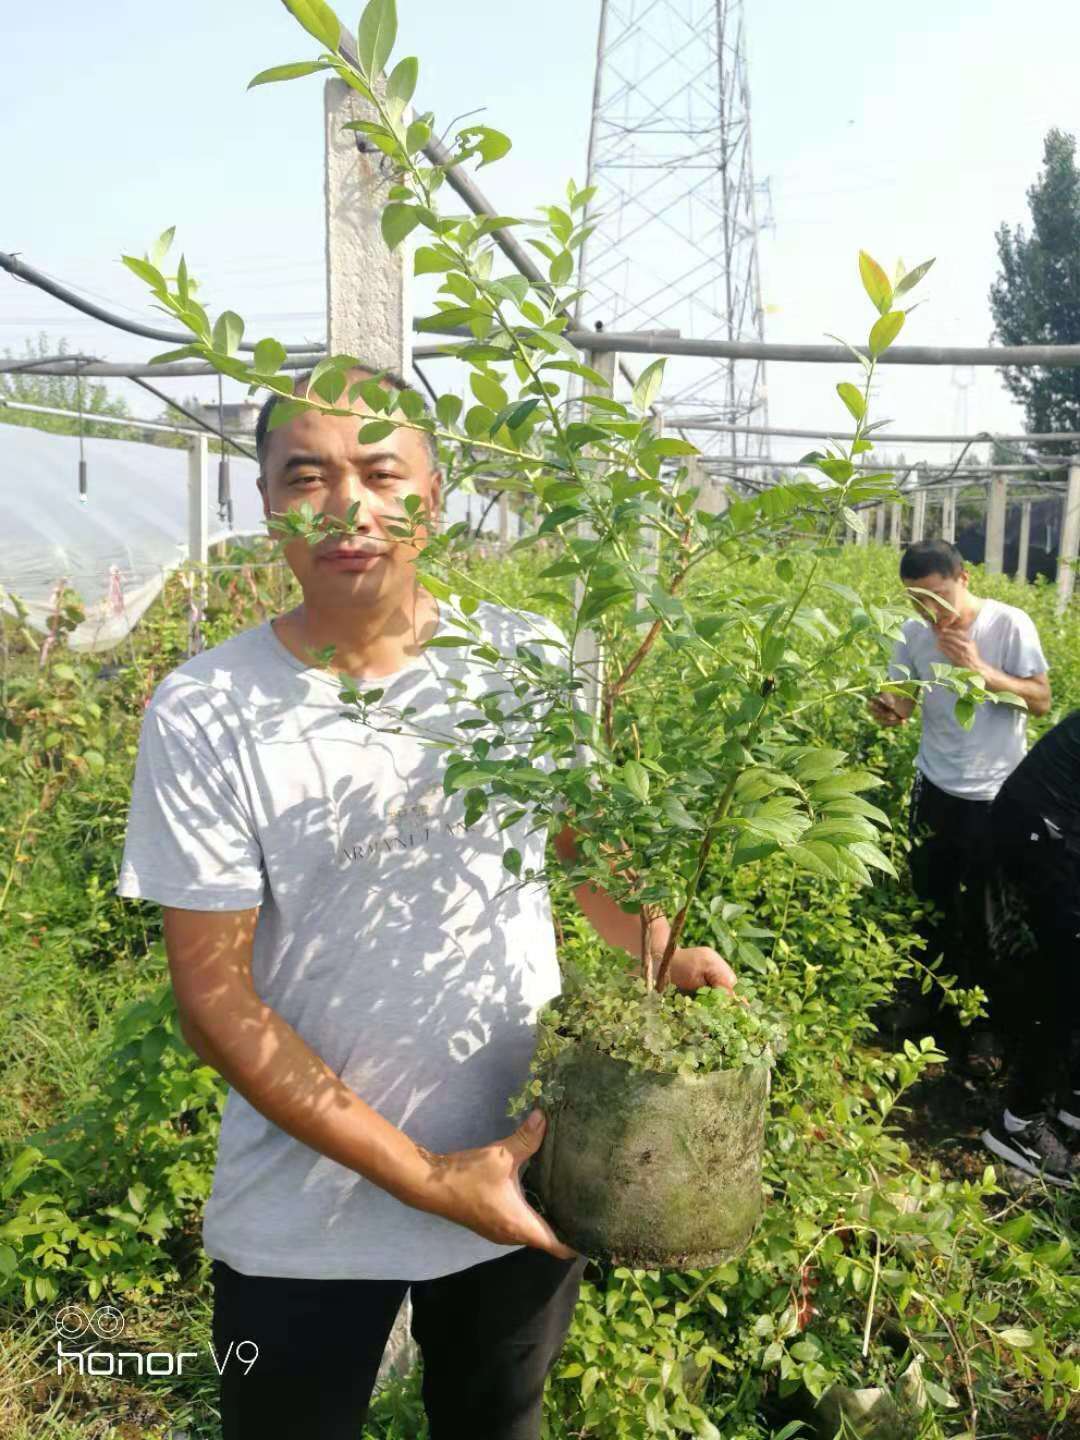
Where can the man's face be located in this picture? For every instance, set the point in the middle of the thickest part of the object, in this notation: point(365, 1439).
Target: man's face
point(316, 459)
point(939, 599)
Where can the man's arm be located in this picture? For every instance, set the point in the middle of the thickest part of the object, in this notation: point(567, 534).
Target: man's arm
point(958, 647)
point(692, 967)
point(264, 1059)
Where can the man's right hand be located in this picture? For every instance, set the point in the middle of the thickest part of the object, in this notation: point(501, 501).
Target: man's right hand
point(883, 711)
point(481, 1189)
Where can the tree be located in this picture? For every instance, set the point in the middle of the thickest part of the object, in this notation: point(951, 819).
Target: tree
point(1035, 299)
point(59, 392)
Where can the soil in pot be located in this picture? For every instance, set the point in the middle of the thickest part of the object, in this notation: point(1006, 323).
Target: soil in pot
point(652, 1170)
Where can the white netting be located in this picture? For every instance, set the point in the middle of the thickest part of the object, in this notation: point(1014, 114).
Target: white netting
point(115, 550)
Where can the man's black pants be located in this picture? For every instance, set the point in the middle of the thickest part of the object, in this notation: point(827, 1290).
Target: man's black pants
point(949, 862)
point(1036, 998)
point(488, 1335)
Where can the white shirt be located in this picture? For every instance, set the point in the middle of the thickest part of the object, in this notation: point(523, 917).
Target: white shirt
point(975, 763)
point(389, 937)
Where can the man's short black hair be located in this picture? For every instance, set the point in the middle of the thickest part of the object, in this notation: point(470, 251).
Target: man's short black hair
point(388, 378)
point(930, 557)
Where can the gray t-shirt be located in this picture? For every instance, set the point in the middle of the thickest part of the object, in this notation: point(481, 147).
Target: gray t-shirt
point(975, 763)
point(389, 937)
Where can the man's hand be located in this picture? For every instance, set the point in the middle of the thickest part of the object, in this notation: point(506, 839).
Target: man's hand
point(956, 644)
point(481, 1189)
point(884, 711)
point(697, 968)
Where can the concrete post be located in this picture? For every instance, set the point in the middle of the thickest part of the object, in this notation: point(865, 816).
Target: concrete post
point(896, 523)
point(997, 501)
point(918, 515)
point(1025, 542)
point(369, 315)
point(948, 515)
point(1070, 539)
point(879, 523)
point(713, 498)
point(504, 518)
point(862, 534)
point(368, 300)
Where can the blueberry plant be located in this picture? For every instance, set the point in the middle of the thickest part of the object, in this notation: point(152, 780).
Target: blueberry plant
point(635, 567)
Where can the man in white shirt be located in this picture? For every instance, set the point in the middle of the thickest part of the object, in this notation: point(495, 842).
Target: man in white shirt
point(959, 771)
point(352, 960)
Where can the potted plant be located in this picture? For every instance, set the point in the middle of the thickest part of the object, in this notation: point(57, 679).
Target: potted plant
point(668, 717)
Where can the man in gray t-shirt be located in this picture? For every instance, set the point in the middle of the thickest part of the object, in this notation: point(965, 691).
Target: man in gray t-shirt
point(353, 961)
point(958, 771)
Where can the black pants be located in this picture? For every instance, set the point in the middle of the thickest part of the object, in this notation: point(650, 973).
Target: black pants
point(1036, 998)
point(950, 866)
point(488, 1336)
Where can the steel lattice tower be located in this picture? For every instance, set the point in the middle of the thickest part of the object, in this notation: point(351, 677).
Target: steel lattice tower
point(675, 244)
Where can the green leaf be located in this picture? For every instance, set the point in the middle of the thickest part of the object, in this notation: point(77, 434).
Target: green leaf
point(162, 245)
point(447, 410)
point(597, 601)
point(228, 332)
point(491, 145)
point(648, 385)
point(269, 357)
point(667, 446)
point(585, 372)
point(1017, 1337)
point(561, 268)
point(428, 261)
point(852, 397)
point(521, 413)
point(402, 81)
point(318, 19)
point(376, 35)
point(487, 390)
point(875, 282)
point(397, 222)
point(912, 278)
point(512, 861)
point(145, 271)
point(168, 356)
point(374, 430)
point(885, 332)
point(287, 72)
point(636, 779)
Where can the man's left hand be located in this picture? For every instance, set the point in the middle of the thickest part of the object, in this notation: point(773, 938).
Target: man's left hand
point(697, 967)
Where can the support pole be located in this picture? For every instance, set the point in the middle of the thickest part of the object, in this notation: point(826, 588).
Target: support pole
point(997, 500)
point(588, 657)
point(879, 523)
point(948, 515)
point(1070, 540)
point(198, 534)
point(896, 522)
point(504, 518)
point(368, 301)
point(713, 497)
point(1025, 543)
point(918, 515)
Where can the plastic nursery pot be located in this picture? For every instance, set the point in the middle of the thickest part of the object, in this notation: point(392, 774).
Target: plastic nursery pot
point(652, 1170)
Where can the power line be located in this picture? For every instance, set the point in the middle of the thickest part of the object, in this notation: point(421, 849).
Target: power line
point(21, 271)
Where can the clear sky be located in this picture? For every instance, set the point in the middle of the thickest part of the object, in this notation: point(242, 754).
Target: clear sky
point(909, 130)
